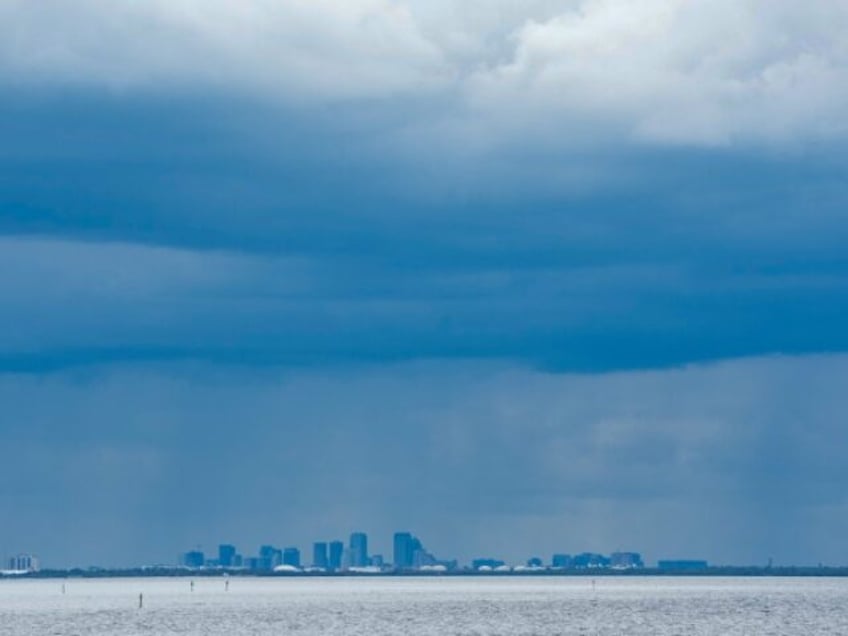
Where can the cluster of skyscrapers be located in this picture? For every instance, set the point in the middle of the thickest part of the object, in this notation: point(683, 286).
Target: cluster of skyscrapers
point(328, 556)
point(409, 555)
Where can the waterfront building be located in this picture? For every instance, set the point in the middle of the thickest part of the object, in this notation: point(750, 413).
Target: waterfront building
point(590, 560)
point(421, 558)
point(194, 559)
point(403, 550)
point(252, 563)
point(409, 553)
point(291, 556)
point(24, 563)
point(417, 553)
point(336, 555)
point(626, 560)
point(358, 550)
point(319, 555)
point(561, 561)
point(269, 557)
point(226, 555)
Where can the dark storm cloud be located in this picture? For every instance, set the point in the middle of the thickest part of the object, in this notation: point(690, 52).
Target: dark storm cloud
point(680, 255)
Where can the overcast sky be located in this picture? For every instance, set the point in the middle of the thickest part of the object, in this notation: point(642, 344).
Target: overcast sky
point(519, 277)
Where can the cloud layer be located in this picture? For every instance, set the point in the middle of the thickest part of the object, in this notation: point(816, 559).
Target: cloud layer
point(325, 49)
point(655, 71)
point(69, 303)
point(682, 72)
point(301, 181)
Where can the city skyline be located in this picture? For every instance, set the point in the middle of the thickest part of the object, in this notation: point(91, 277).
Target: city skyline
point(408, 555)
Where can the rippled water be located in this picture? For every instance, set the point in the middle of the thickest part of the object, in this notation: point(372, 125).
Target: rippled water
point(534, 605)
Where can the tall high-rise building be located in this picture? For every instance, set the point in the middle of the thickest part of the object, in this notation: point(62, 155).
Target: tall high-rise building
point(319, 555)
point(291, 556)
point(194, 559)
point(269, 557)
point(409, 553)
point(358, 550)
point(403, 548)
point(336, 554)
point(561, 561)
point(24, 563)
point(226, 555)
point(420, 556)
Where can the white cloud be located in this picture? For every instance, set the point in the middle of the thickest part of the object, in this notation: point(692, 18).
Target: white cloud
point(295, 48)
point(657, 71)
point(676, 71)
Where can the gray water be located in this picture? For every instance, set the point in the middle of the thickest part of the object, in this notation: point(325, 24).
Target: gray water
point(481, 606)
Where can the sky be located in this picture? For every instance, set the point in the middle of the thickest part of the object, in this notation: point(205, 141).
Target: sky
point(522, 278)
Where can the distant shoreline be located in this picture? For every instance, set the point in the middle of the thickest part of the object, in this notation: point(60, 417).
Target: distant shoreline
point(729, 571)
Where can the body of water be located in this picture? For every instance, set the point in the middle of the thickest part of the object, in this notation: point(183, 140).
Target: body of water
point(473, 605)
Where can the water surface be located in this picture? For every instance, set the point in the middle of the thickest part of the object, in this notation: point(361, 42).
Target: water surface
point(538, 606)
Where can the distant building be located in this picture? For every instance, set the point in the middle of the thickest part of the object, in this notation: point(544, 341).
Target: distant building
point(291, 556)
point(561, 561)
point(252, 563)
point(336, 555)
point(226, 556)
point(403, 550)
point(410, 554)
point(421, 558)
point(194, 559)
point(626, 560)
point(682, 565)
point(24, 563)
point(376, 560)
point(534, 562)
point(320, 557)
point(358, 550)
point(269, 557)
point(590, 560)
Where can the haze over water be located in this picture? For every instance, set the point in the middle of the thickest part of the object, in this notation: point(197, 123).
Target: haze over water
point(539, 606)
